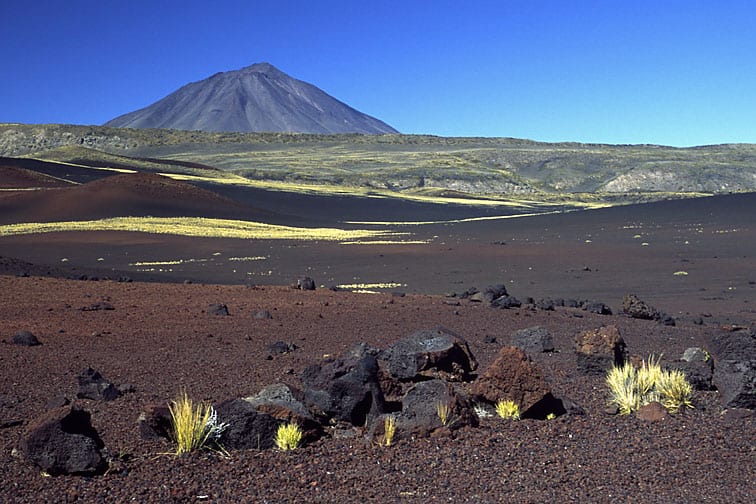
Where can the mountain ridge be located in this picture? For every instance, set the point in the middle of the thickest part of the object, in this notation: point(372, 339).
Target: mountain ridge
point(256, 98)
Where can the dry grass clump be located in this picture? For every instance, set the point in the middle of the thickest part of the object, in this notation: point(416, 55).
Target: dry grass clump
point(444, 413)
point(194, 425)
point(288, 436)
point(508, 409)
point(632, 388)
point(389, 429)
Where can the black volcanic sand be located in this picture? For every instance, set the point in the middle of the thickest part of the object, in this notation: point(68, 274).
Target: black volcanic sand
point(160, 339)
point(597, 254)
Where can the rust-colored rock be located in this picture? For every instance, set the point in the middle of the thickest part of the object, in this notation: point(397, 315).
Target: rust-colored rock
point(513, 375)
point(600, 349)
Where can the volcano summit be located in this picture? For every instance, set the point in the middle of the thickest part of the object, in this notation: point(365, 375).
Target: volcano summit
point(256, 98)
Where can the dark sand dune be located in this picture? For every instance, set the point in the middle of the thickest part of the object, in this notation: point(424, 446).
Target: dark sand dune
point(134, 194)
point(14, 176)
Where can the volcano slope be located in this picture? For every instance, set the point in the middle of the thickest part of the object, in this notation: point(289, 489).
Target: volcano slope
point(161, 340)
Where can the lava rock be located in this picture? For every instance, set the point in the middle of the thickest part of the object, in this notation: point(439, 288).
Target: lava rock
point(63, 441)
point(305, 283)
point(281, 347)
point(506, 302)
point(635, 308)
point(421, 404)
point(651, 412)
point(246, 428)
point(698, 373)
point(533, 340)
point(346, 389)
point(262, 315)
point(100, 306)
point(545, 304)
point(489, 293)
point(735, 368)
point(155, 422)
point(430, 352)
point(596, 307)
point(600, 349)
point(92, 385)
point(220, 310)
point(513, 375)
point(25, 338)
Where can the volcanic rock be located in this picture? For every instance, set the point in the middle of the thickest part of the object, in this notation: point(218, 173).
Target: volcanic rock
point(92, 385)
point(346, 389)
point(430, 352)
point(246, 428)
point(305, 283)
point(600, 349)
point(596, 307)
point(652, 412)
point(533, 340)
point(422, 404)
point(513, 375)
point(155, 422)
point(220, 310)
point(735, 368)
point(25, 338)
point(63, 441)
point(506, 302)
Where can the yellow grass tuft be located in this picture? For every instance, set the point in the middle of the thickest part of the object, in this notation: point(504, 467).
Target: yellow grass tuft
point(508, 409)
point(288, 436)
point(389, 429)
point(444, 413)
point(632, 388)
point(193, 424)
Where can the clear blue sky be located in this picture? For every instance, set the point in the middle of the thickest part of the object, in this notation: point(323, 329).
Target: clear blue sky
point(666, 72)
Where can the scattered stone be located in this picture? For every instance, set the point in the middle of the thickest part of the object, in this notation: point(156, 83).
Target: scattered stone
point(506, 302)
point(489, 293)
point(305, 283)
point(735, 368)
point(246, 428)
point(155, 422)
point(596, 307)
point(57, 402)
point(652, 412)
point(696, 354)
point(63, 441)
point(571, 303)
point(422, 403)
point(635, 308)
point(102, 305)
point(698, 373)
point(600, 349)
point(262, 315)
point(488, 339)
point(533, 340)
point(513, 375)
point(736, 414)
point(346, 389)
point(25, 338)
point(432, 353)
point(218, 309)
point(92, 385)
point(281, 347)
point(545, 304)
point(286, 403)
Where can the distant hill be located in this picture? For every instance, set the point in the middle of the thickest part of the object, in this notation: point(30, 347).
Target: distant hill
point(256, 98)
point(417, 164)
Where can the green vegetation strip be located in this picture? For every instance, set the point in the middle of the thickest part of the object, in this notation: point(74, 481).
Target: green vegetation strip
point(198, 226)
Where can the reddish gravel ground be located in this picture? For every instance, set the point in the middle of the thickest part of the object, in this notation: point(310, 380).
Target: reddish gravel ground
point(160, 339)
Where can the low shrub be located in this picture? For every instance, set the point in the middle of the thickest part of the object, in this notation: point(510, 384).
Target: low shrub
point(194, 425)
point(288, 436)
point(508, 409)
point(631, 388)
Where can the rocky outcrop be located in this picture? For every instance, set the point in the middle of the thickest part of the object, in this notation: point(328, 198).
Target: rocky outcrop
point(25, 338)
point(735, 368)
point(92, 385)
point(432, 405)
point(533, 340)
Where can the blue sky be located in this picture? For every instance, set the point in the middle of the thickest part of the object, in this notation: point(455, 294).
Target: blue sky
point(665, 72)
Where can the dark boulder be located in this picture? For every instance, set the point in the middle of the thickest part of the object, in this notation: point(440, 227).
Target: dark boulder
point(25, 338)
point(246, 428)
point(547, 304)
point(305, 283)
point(92, 385)
point(430, 353)
point(633, 307)
point(698, 373)
point(600, 349)
point(490, 293)
point(281, 347)
point(431, 405)
point(735, 368)
point(155, 422)
point(63, 441)
point(346, 389)
point(533, 340)
point(262, 315)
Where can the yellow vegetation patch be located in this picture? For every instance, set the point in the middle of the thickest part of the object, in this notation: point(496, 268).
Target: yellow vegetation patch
point(197, 226)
